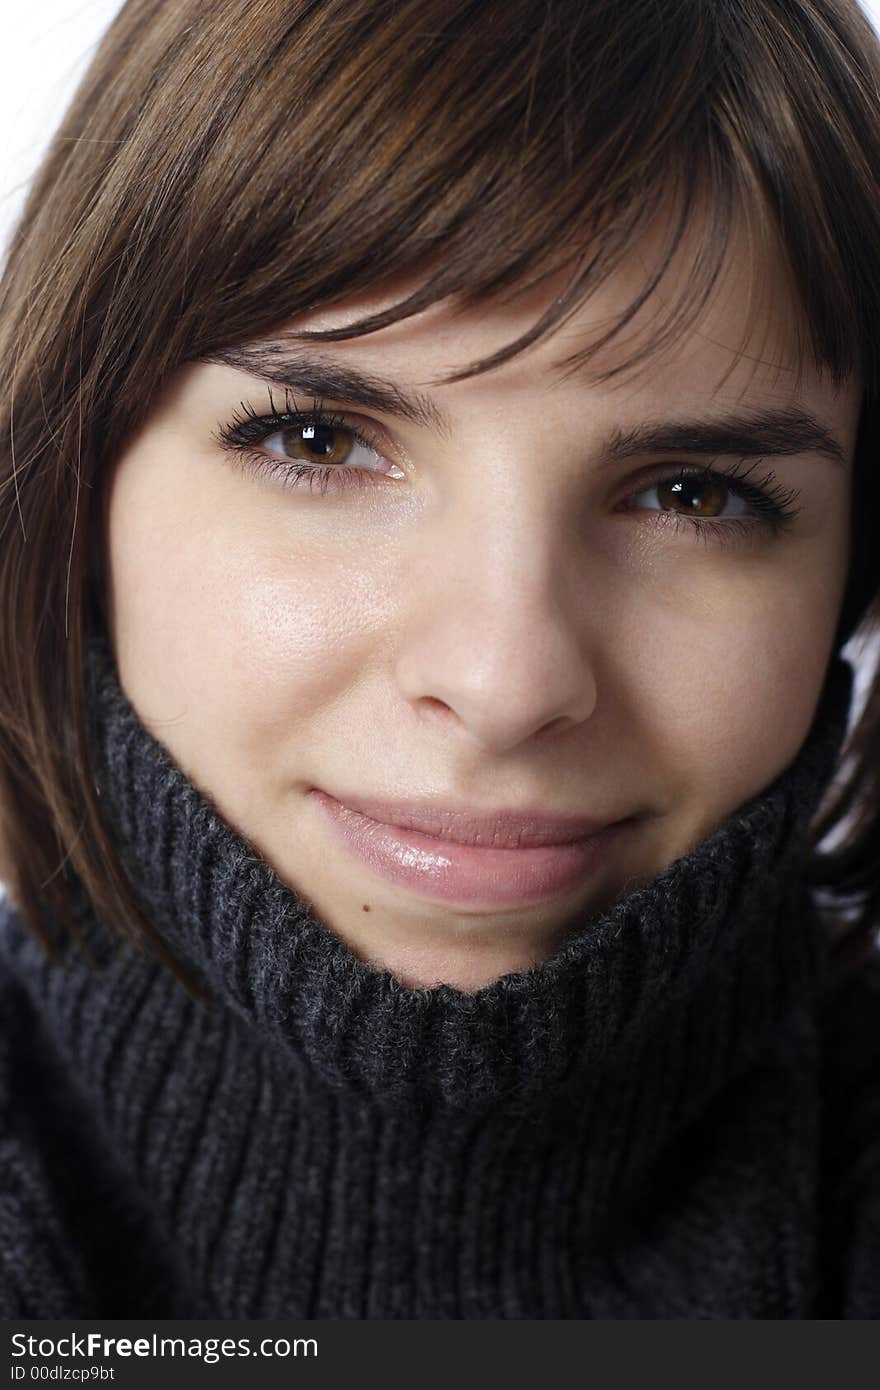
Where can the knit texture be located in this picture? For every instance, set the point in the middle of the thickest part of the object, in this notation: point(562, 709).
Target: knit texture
point(631, 1129)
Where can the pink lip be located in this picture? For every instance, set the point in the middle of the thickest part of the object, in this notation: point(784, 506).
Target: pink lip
point(548, 861)
point(488, 830)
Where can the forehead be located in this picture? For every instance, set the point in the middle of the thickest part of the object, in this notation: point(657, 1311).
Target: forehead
point(749, 339)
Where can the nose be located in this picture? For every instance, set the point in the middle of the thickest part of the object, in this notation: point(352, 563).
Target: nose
point(495, 637)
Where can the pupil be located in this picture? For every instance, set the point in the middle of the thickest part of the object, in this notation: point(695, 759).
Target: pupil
point(319, 438)
point(697, 494)
point(689, 491)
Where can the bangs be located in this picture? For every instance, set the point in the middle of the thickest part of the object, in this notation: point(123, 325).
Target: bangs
point(697, 240)
point(485, 147)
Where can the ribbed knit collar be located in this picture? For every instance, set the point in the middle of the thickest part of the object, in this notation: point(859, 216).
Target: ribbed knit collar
point(620, 1131)
point(711, 941)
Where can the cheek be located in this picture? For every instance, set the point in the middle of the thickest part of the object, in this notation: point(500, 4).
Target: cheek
point(729, 690)
point(211, 615)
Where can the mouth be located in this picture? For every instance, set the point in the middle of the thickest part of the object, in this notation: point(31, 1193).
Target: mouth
point(502, 829)
point(457, 858)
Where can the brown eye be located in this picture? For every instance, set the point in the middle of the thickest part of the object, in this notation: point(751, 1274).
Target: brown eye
point(318, 443)
point(696, 496)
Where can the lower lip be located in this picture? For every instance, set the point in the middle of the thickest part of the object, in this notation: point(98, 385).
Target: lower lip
point(464, 874)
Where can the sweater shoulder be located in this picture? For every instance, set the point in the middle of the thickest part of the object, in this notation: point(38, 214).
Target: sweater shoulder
point(849, 1022)
point(41, 1273)
point(76, 1240)
point(850, 1146)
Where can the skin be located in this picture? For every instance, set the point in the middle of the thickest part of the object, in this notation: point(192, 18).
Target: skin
point(492, 628)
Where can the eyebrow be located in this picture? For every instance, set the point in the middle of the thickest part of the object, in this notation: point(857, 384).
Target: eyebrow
point(320, 376)
point(751, 433)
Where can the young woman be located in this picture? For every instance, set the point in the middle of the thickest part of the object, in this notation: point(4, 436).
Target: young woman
point(439, 477)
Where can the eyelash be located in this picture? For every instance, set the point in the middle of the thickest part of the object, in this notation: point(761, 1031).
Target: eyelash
point(772, 503)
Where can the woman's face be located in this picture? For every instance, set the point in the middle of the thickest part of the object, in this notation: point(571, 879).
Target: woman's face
point(499, 609)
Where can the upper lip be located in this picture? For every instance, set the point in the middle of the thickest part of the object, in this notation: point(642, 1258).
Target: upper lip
point(491, 829)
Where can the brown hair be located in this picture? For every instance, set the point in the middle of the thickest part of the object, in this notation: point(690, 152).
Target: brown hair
point(225, 167)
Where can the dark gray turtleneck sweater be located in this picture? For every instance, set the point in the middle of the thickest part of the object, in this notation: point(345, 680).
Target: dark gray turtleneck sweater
point(672, 1117)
